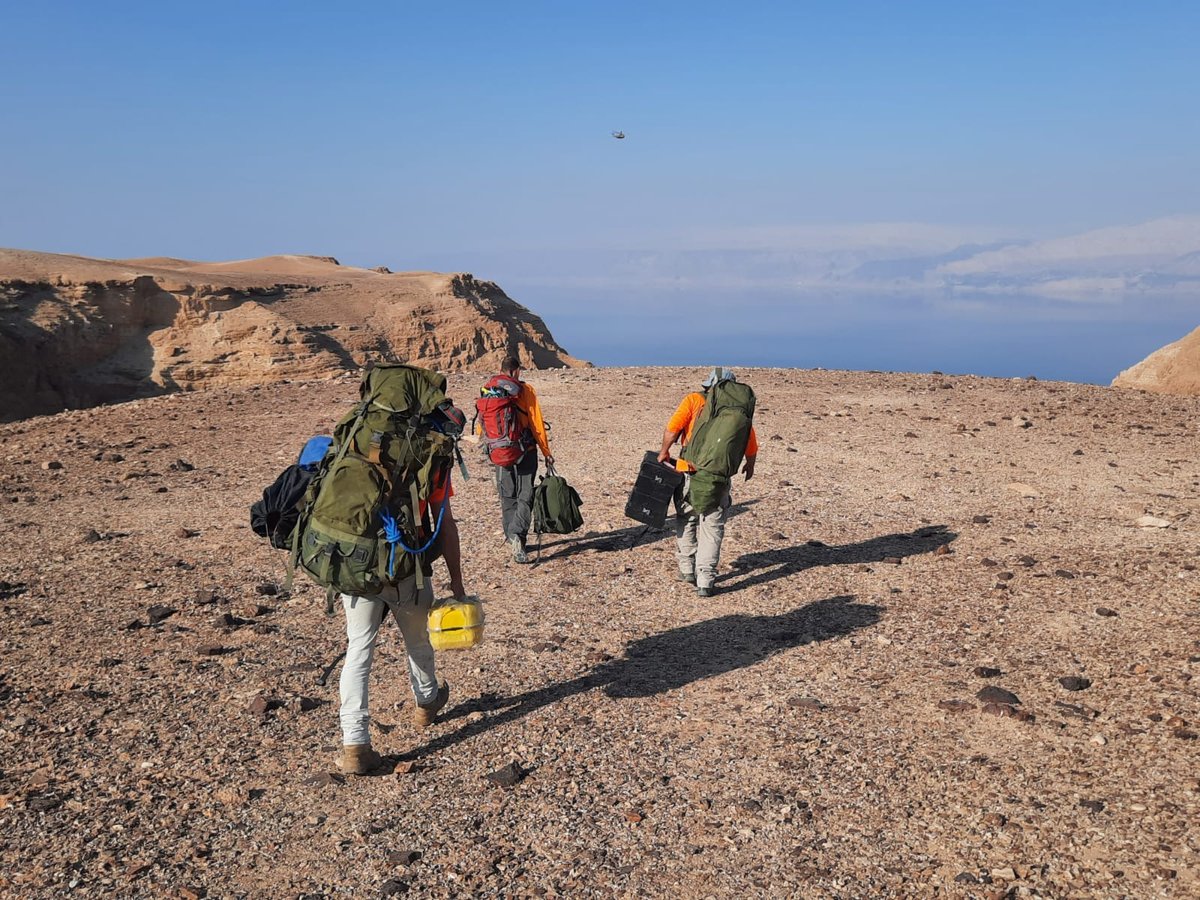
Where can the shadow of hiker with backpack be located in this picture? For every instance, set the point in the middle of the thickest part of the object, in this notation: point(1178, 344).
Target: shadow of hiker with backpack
point(752, 569)
point(671, 660)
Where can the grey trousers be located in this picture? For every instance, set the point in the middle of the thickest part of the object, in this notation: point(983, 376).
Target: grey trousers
point(514, 485)
point(698, 538)
point(364, 615)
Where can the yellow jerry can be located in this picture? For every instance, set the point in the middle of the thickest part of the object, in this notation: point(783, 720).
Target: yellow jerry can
point(456, 624)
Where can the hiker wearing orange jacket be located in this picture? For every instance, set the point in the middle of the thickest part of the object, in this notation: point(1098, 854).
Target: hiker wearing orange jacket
point(699, 537)
point(514, 483)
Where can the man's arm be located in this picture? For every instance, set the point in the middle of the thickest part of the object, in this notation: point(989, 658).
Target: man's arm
point(678, 424)
point(668, 441)
point(751, 454)
point(452, 552)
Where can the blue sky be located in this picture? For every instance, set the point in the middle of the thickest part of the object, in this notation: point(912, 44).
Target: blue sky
point(406, 133)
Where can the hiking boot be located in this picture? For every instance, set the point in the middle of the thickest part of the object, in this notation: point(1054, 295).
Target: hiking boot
point(704, 592)
point(359, 759)
point(424, 716)
point(518, 549)
point(688, 577)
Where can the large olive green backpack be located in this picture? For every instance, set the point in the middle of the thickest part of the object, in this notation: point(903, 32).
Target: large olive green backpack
point(361, 524)
point(718, 442)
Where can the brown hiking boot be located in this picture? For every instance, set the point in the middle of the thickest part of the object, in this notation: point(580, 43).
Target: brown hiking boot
point(359, 759)
point(424, 716)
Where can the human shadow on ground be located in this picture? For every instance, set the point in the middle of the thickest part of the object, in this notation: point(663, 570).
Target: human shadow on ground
point(619, 538)
point(669, 660)
point(751, 569)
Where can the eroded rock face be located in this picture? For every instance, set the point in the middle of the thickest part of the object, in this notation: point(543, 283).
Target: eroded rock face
point(77, 332)
point(1173, 369)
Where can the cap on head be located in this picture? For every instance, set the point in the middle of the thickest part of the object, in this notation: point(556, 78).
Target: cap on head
point(717, 375)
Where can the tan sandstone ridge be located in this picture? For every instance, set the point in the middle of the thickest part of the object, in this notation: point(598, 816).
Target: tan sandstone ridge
point(1173, 369)
point(75, 331)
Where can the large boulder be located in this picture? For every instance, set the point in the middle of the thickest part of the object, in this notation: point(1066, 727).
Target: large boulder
point(1173, 369)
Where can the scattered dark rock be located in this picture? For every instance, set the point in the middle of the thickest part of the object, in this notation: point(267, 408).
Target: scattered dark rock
point(1064, 573)
point(955, 706)
point(181, 465)
point(259, 706)
point(307, 704)
point(507, 776)
point(993, 694)
point(158, 614)
point(1092, 805)
point(207, 596)
point(45, 802)
point(1075, 683)
point(986, 672)
point(966, 878)
point(91, 536)
point(892, 560)
point(988, 563)
point(995, 820)
point(403, 857)
point(981, 520)
point(1027, 561)
point(805, 703)
point(1184, 734)
point(1079, 712)
point(10, 589)
point(325, 779)
point(211, 650)
point(393, 887)
point(184, 533)
point(52, 465)
point(1005, 576)
point(1106, 613)
point(267, 589)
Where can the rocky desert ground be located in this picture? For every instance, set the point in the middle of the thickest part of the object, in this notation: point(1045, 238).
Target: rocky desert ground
point(953, 654)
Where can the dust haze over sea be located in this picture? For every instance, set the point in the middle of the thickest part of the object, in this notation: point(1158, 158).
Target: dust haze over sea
point(893, 333)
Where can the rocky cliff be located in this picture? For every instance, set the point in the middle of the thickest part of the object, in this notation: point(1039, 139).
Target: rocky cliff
point(1173, 369)
point(76, 332)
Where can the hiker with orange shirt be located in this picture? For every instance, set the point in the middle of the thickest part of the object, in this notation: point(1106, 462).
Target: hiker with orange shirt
point(512, 428)
point(723, 437)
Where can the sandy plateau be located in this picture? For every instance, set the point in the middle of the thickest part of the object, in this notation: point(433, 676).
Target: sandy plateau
point(816, 729)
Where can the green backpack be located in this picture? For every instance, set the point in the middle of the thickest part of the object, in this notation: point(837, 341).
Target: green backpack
point(361, 523)
point(556, 506)
point(718, 442)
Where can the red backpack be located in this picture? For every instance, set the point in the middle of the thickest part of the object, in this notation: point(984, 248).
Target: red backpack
point(506, 437)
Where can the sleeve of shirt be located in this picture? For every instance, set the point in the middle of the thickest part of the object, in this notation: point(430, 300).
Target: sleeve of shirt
point(533, 410)
point(752, 444)
point(683, 415)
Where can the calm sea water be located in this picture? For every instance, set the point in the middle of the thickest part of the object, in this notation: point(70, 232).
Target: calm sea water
point(1003, 336)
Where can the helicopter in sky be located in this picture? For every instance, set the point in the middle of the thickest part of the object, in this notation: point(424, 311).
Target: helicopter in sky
point(619, 135)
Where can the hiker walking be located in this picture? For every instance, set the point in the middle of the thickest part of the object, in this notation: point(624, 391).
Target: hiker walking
point(409, 604)
point(717, 431)
point(511, 425)
point(375, 517)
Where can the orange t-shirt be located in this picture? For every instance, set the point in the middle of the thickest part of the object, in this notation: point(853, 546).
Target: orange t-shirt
point(684, 420)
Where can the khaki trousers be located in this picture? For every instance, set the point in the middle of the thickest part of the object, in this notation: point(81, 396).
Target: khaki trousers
point(698, 538)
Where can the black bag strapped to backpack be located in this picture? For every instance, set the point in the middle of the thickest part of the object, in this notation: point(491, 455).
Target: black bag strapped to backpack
point(555, 507)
